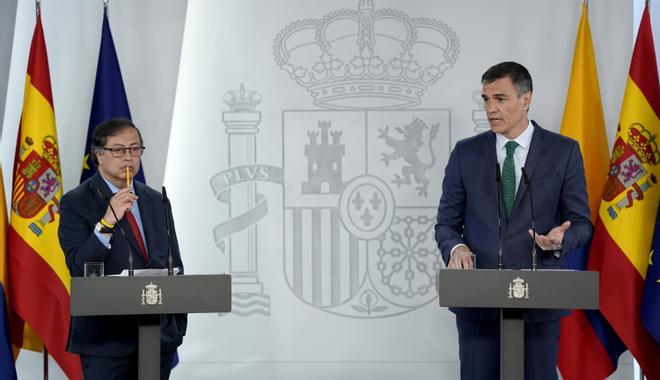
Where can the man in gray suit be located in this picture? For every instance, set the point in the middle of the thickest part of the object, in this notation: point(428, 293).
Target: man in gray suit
point(467, 221)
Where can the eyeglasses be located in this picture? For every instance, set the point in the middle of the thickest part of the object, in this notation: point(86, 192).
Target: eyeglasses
point(120, 151)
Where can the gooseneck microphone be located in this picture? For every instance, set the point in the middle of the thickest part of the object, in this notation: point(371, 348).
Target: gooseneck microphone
point(498, 179)
point(166, 206)
point(131, 271)
point(531, 206)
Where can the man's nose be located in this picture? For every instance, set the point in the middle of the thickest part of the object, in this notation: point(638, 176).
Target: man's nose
point(490, 107)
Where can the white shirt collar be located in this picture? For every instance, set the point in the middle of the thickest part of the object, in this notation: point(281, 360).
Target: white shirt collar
point(524, 140)
point(112, 187)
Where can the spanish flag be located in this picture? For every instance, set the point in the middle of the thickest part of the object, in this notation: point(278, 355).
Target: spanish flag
point(38, 277)
point(588, 347)
point(621, 245)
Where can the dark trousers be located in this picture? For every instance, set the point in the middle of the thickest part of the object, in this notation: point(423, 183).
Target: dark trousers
point(479, 349)
point(121, 368)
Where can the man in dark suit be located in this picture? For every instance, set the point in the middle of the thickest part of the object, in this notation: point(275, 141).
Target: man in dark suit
point(89, 232)
point(467, 221)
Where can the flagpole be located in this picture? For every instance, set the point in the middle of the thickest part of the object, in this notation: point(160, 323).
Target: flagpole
point(37, 4)
point(45, 363)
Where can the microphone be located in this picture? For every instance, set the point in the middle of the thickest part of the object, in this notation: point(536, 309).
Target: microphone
point(131, 271)
point(498, 179)
point(166, 205)
point(531, 206)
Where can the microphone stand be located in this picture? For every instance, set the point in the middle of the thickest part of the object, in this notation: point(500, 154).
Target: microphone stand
point(531, 206)
point(131, 271)
point(500, 254)
point(166, 204)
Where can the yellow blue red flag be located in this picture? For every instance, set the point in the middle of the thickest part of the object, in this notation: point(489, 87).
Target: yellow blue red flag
point(588, 347)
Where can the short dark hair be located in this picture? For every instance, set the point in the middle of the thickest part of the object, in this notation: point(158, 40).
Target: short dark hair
point(515, 71)
point(107, 129)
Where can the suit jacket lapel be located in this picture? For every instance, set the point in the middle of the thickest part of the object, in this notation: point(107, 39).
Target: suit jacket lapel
point(533, 158)
point(97, 182)
point(490, 160)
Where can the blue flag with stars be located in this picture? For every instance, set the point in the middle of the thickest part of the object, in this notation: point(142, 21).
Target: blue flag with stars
point(109, 99)
point(651, 299)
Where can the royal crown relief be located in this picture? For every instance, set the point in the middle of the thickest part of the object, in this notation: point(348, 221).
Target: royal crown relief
point(378, 58)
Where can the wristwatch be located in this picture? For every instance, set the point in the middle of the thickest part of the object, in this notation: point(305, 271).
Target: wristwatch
point(103, 229)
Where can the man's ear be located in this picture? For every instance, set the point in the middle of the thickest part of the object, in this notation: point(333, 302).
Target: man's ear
point(97, 155)
point(527, 100)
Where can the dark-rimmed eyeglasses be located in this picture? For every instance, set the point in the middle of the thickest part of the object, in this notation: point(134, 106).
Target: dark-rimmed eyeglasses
point(120, 151)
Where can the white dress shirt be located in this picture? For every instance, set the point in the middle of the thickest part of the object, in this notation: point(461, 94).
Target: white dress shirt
point(519, 155)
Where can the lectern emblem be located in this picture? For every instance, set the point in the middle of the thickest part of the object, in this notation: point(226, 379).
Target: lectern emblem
point(518, 288)
point(152, 295)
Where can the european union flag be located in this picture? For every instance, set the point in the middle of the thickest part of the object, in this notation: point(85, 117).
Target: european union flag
point(7, 367)
point(651, 299)
point(109, 96)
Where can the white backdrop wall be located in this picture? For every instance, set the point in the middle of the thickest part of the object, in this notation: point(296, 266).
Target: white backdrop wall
point(293, 317)
point(7, 18)
point(321, 308)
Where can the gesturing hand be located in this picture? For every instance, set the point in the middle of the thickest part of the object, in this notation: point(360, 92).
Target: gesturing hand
point(553, 240)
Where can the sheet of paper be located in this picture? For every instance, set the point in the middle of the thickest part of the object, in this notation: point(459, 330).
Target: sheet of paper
point(147, 272)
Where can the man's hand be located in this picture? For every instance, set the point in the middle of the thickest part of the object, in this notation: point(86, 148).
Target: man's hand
point(121, 201)
point(553, 240)
point(461, 258)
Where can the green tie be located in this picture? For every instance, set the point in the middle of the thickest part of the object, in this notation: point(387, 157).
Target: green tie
point(509, 178)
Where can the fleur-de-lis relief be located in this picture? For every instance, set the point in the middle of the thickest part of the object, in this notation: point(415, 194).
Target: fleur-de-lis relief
point(367, 217)
point(358, 201)
point(375, 201)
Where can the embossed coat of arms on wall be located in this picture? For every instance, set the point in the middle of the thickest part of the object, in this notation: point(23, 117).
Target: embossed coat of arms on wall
point(361, 176)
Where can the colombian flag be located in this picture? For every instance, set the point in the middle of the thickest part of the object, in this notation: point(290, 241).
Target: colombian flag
point(38, 276)
point(621, 244)
point(588, 347)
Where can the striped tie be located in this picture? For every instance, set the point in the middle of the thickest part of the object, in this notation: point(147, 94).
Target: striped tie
point(509, 178)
